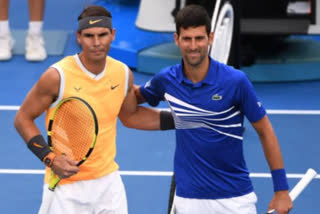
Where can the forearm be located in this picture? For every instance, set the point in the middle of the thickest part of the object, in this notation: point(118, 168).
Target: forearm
point(269, 143)
point(25, 127)
point(32, 136)
point(144, 118)
point(272, 151)
point(275, 161)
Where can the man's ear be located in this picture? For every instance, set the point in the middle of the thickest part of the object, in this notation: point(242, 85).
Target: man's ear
point(113, 32)
point(211, 38)
point(176, 39)
point(78, 34)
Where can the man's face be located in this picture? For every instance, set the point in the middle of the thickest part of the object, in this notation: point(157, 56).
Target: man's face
point(95, 42)
point(193, 43)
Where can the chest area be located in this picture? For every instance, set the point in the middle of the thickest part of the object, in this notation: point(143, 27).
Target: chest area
point(103, 88)
point(207, 98)
point(104, 95)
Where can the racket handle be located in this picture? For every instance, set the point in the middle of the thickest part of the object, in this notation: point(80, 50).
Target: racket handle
point(300, 186)
point(54, 180)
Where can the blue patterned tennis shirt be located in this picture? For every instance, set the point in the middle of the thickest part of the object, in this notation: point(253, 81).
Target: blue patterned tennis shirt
point(208, 115)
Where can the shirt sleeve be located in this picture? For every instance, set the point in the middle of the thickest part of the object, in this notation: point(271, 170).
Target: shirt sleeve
point(153, 90)
point(249, 103)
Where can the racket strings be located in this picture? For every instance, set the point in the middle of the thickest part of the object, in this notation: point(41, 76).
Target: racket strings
point(73, 130)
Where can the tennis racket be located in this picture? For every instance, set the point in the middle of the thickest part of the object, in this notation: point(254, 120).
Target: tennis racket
point(300, 186)
point(172, 194)
point(72, 131)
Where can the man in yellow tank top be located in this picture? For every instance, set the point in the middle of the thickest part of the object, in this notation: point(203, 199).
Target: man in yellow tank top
point(107, 85)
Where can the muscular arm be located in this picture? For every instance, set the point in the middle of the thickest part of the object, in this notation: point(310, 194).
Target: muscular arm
point(281, 201)
point(40, 97)
point(42, 94)
point(140, 98)
point(138, 117)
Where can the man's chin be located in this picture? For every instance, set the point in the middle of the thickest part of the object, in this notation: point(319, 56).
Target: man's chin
point(98, 57)
point(194, 62)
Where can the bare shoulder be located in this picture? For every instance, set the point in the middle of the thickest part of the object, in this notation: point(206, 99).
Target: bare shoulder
point(42, 94)
point(49, 82)
point(51, 74)
point(130, 82)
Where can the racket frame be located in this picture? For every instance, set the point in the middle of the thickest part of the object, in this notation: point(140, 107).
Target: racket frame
point(54, 179)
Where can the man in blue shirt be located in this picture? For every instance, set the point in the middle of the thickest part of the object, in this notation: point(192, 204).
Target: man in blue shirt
point(208, 102)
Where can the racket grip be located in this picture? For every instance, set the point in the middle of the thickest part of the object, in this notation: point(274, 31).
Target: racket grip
point(307, 178)
point(54, 182)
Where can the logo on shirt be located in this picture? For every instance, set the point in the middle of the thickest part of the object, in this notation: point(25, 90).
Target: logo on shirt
point(148, 84)
point(216, 97)
point(259, 104)
point(77, 88)
point(114, 86)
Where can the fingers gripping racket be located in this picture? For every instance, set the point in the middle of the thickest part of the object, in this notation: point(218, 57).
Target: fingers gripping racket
point(72, 131)
point(300, 186)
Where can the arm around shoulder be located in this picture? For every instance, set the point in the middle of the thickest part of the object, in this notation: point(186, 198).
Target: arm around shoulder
point(134, 116)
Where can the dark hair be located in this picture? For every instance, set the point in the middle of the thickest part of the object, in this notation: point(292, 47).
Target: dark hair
point(193, 16)
point(94, 10)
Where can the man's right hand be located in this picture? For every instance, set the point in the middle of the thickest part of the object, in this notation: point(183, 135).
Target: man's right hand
point(64, 166)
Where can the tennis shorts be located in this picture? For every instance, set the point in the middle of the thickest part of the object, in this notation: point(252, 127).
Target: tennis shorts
point(103, 195)
point(236, 205)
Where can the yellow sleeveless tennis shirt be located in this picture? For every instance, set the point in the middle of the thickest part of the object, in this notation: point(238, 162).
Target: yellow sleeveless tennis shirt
point(105, 92)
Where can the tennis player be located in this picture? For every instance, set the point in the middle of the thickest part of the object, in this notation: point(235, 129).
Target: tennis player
point(208, 101)
point(107, 85)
